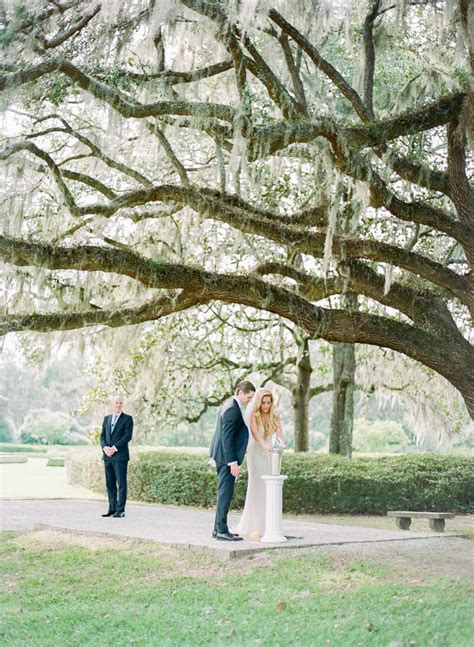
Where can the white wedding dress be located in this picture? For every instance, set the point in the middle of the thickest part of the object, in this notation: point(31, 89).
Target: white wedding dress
point(252, 522)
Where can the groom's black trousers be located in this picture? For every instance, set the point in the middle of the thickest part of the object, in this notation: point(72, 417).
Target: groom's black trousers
point(225, 492)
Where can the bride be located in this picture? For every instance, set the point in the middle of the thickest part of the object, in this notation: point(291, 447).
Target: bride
point(262, 420)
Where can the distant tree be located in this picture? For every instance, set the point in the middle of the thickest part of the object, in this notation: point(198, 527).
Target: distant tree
point(32, 380)
point(43, 427)
point(7, 428)
point(379, 436)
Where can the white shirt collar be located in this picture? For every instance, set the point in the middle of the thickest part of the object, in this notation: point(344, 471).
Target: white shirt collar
point(241, 406)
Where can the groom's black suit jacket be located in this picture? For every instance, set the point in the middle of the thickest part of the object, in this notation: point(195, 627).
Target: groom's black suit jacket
point(119, 437)
point(231, 436)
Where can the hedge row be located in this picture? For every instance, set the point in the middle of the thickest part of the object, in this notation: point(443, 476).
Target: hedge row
point(316, 483)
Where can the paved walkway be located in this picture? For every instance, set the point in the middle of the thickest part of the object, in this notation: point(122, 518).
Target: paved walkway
point(179, 526)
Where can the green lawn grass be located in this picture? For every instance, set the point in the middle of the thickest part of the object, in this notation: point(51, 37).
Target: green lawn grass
point(13, 459)
point(142, 594)
point(55, 462)
point(13, 449)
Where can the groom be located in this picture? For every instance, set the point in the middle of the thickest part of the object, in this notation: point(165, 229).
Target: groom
point(117, 430)
point(228, 450)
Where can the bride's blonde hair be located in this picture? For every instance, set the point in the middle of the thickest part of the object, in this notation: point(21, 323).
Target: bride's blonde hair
point(273, 417)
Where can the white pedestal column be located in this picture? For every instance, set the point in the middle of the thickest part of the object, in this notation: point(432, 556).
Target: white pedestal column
point(273, 516)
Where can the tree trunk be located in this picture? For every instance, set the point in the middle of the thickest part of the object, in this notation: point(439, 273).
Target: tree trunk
point(342, 417)
point(300, 397)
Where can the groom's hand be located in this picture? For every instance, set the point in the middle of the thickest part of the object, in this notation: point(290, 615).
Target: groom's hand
point(235, 469)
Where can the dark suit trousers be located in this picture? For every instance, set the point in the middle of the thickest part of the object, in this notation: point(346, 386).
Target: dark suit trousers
point(225, 491)
point(116, 482)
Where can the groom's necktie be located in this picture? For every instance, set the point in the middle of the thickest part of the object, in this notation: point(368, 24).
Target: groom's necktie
point(114, 422)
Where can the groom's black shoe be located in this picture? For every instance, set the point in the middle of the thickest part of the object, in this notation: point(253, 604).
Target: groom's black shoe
point(110, 513)
point(227, 536)
point(214, 534)
point(119, 514)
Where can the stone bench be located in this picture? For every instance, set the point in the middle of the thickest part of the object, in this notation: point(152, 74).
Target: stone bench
point(403, 518)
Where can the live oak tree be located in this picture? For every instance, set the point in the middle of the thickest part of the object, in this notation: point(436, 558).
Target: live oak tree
point(136, 128)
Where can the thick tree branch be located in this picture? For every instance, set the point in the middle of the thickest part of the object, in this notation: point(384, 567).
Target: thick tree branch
point(94, 148)
point(38, 152)
point(238, 59)
point(317, 390)
point(376, 133)
point(266, 140)
point(298, 87)
point(93, 182)
point(75, 28)
point(424, 308)
point(276, 90)
point(320, 288)
point(153, 128)
point(358, 167)
point(32, 22)
point(321, 63)
point(262, 140)
point(450, 360)
point(461, 192)
point(369, 50)
point(173, 77)
point(119, 101)
point(152, 310)
point(244, 217)
point(419, 174)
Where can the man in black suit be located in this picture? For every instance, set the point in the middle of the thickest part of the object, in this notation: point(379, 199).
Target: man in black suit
point(117, 430)
point(228, 451)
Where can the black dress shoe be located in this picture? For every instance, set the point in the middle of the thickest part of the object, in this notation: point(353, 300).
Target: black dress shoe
point(214, 534)
point(119, 514)
point(110, 513)
point(227, 536)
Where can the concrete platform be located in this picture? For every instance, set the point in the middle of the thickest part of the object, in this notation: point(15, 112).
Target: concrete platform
point(178, 526)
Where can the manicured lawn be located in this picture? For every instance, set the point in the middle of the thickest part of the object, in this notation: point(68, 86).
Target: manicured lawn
point(60, 593)
point(6, 448)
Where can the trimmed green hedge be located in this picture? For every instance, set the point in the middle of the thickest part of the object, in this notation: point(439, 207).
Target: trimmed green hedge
point(374, 485)
point(316, 482)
